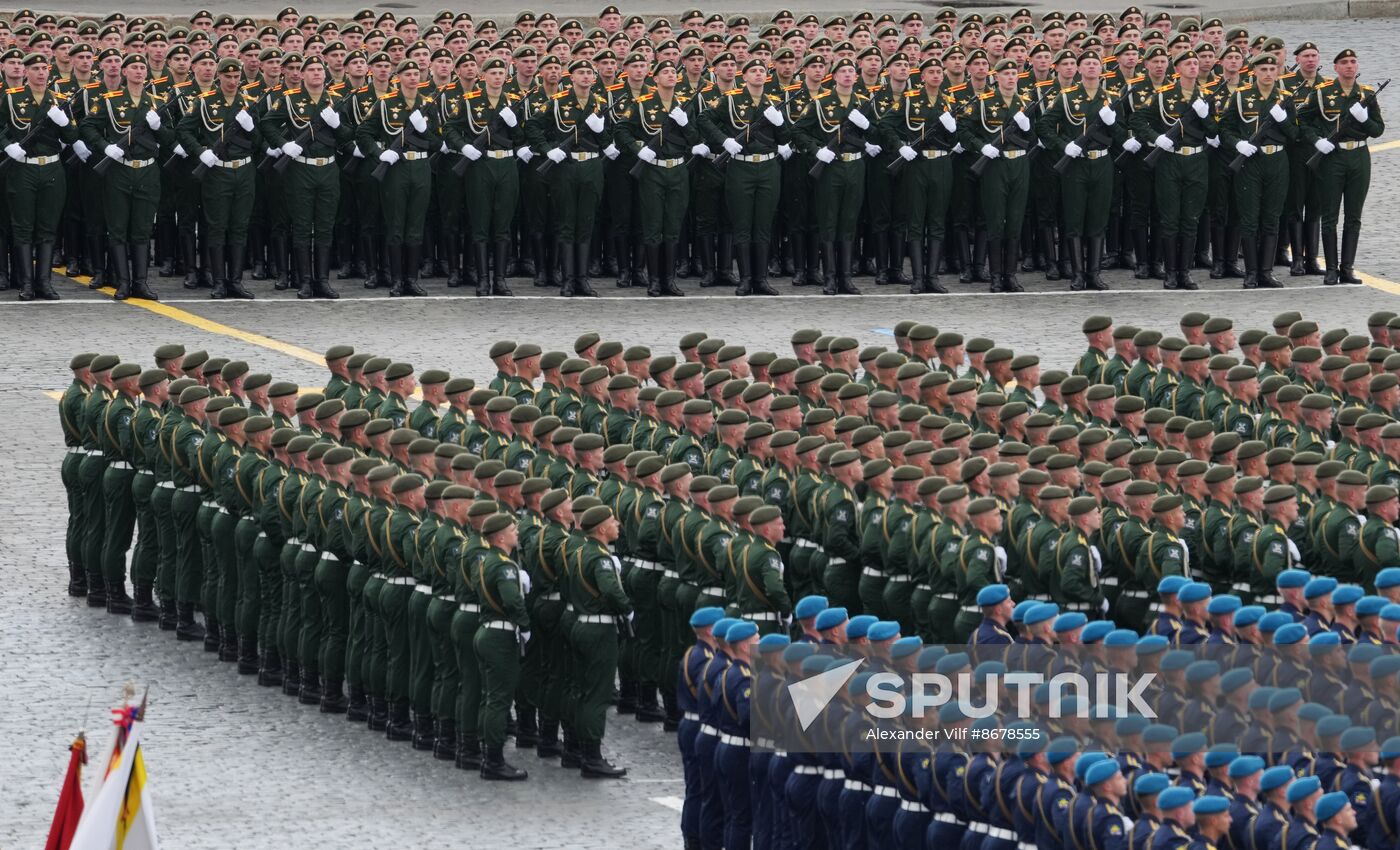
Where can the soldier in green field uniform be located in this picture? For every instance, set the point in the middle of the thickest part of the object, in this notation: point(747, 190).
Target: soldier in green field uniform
point(980, 562)
point(1074, 582)
point(834, 132)
point(1339, 119)
point(334, 541)
point(762, 596)
point(465, 621)
point(1177, 118)
point(145, 427)
point(222, 585)
point(397, 539)
point(1378, 544)
point(1302, 211)
point(1259, 122)
point(840, 535)
point(184, 445)
point(447, 545)
point(534, 188)
point(35, 186)
point(1271, 551)
point(505, 628)
point(996, 126)
point(116, 441)
point(248, 469)
point(487, 130)
point(126, 126)
point(70, 408)
point(603, 610)
point(401, 132)
point(572, 132)
point(358, 107)
point(306, 124)
point(1225, 231)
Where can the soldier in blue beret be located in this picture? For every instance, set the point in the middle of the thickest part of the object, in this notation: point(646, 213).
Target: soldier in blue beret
point(1177, 818)
point(1222, 619)
point(1382, 828)
point(1368, 617)
point(1290, 584)
point(831, 626)
point(1245, 773)
point(711, 818)
point(1189, 753)
point(1148, 816)
point(1273, 807)
point(1231, 720)
point(1195, 600)
point(805, 612)
point(1168, 622)
point(688, 697)
point(1337, 820)
point(1318, 594)
point(1388, 583)
point(1108, 827)
point(1056, 795)
point(1358, 749)
point(997, 609)
point(1212, 814)
point(1299, 830)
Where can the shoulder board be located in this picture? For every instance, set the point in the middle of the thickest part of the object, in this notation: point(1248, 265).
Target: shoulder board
point(1135, 80)
point(159, 80)
point(1365, 87)
point(1023, 74)
point(792, 87)
point(185, 84)
point(1290, 75)
point(911, 93)
point(389, 95)
point(61, 95)
point(362, 89)
point(473, 94)
point(248, 98)
point(159, 98)
point(452, 86)
point(821, 94)
point(1044, 83)
point(958, 87)
point(292, 91)
point(776, 99)
point(425, 84)
point(734, 91)
point(1068, 89)
point(253, 85)
point(617, 86)
point(92, 85)
point(15, 90)
point(1324, 84)
point(862, 96)
point(644, 97)
point(510, 95)
point(559, 95)
point(209, 93)
point(1167, 87)
point(987, 94)
point(112, 94)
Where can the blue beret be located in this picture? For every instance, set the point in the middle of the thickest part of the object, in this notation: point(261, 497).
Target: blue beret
point(1210, 805)
point(1235, 679)
point(1245, 766)
point(1199, 671)
point(809, 606)
point(1333, 725)
point(1290, 634)
point(1041, 694)
point(721, 627)
point(857, 683)
point(1284, 698)
point(773, 643)
point(1370, 606)
point(1069, 622)
point(1096, 631)
point(1357, 737)
point(905, 647)
point(1030, 746)
point(1042, 612)
point(1248, 615)
point(799, 652)
point(1151, 783)
point(1185, 745)
point(988, 668)
point(1322, 642)
point(1225, 603)
point(1103, 711)
point(1312, 711)
point(1388, 577)
point(830, 618)
point(1362, 653)
point(1221, 755)
point(1391, 612)
point(949, 713)
point(815, 664)
point(1329, 804)
point(993, 594)
point(1385, 665)
point(1292, 578)
point(1018, 614)
point(991, 721)
point(1275, 777)
point(1153, 644)
point(1260, 696)
point(742, 630)
point(1194, 592)
point(859, 626)
point(1104, 770)
point(952, 662)
point(1131, 724)
point(1320, 586)
point(1070, 705)
point(883, 630)
point(1061, 749)
point(1390, 749)
point(1121, 637)
point(1159, 733)
point(1347, 594)
point(1171, 584)
point(929, 657)
point(1174, 798)
point(706, 617)
point(1270, 622)
point(1177, 659)
point(1086, 761)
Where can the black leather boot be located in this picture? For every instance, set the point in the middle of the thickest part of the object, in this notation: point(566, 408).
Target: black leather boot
point(235, 274)
point(916, 267)
point(228, 644)
point(667, 261)
point(191, 260)
point(121, 269)
point(964, 255)
point(1046, 237)
point(1268, 246)
point(24, 271)
point(291, 677)
point(258, 266)
point(1310, 233)
point(1250, 245)
point(931, 282)
point(543, 261)
point(400, 726)
point(1200, 241)
point(185, 626)
point(1141, 271)
point(797, 244)
point(624, 261)
point(1350, 238)
point(452, 246)
point(144, 608)
point(745, 259)
point(97, 257)
point(596, 767)
point(1076, 264)
point(641, 279)
point(468, 752)
point(247, 656)
point(97, 591)
point(704, 261)
point(1167, 250)
point(483, 279)
point(1329, 252)
point(351, 260)
point(1186, 248)
point(724, 265)
point(881, 251)
point(759, 265)
point(1295, 247)
point(393, 255)
point(1010, 259)
point(213, 634)
point(301, 266)
point(527, 733)
point(1159, 259)
point(321, 272)
point(1217, 252)
point(412, 262)
point(495, 767)
point(357, 709)
point(117, 600)
point(424, 731)
point(378, 715)
point(828, 261)
point(333, 697)
point(140, 254)
point(1231, 261)
point(653, 263)
point(277, 262)
point(445, 741)
point(565, 252)
point(167, 620)
point(647, 709)
point(500, 267)
point(581, 284)
point(371, 261)
point(997, 251)
point(43, 272)
point(548, 747)
point(980, 252)
point(898, 248)
point(843, 269)
point(1093, 264)
point(270, 672)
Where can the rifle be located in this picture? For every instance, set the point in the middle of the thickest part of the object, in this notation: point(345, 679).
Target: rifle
point(1174, 133)
point(1088, 134)
point(460, 167)
point(566, 146)
point(832, 144)
point(1369, 101)
point(722, 159)
point(219, 149)
point(1265, 125)
point(35, 126)
point(899, 162)
point(654, 143)
point(397, 147)
point(981, 164)
point(144, 130)
point(279, 163)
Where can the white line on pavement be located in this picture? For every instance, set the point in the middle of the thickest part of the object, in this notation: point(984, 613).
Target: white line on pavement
point(675, 803)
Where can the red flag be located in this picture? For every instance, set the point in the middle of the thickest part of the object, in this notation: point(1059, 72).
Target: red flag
point(70, 799)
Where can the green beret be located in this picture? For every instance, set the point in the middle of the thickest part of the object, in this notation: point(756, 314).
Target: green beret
point(232, 416)
point(433, 376)
point(588, 442)
point(151, 377)
point(496, 523)
point(166, 352)
point(1094, 324)
point(594, 517)
point(339, 352)
point(192, 394)
point(329, 408)
point(336, 455)
point(395, 371)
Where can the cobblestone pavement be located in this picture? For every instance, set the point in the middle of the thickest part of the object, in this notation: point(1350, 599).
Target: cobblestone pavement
point(233, 765)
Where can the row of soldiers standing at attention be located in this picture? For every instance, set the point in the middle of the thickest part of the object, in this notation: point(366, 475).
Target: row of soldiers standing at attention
point(980, 145)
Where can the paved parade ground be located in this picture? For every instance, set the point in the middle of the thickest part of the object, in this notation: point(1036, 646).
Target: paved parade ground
point(235, 765)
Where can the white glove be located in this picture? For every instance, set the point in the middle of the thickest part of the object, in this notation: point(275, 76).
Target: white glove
point(555, 155)
point(990, 151)
point(179, 150)
point(1108, 116)
point(701, 149)
point(419, 121)
point(948, 121)
point(784, 151)
point(1132, 145)
point(524, 638)
point(209, 160)
point(331, 118)
point(14, 151)
point(443, 148)
point(872, 149)
point(508, 116)
point(292, 149)
point(1324, 146)
point(524, 584)
point(825, 154)
point(646, 155)
point(114, 152)
point(611, 151)
point(1022, 121)
point(1245, 148)
point(58, 116)
point(958, 148)
point(678, 115)
point(244, 120)
point(773, 115)
point(908, 153)
point(1359, 111)
point(83, 151)
point(1103, 606)
point(858, 118)
point(357, 153)
point(594, 122)
point(733, 147)
point(525, 154)
point(389, 156)
point(1201, 107)
point(1073, 151)
point(1165, 143)
point(1278, 113)
point(471, 153)
point(274, 152)
point(153, 120)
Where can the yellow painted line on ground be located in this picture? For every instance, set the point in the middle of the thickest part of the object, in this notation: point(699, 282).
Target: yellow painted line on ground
point(54, 394)
point(1379, 283)
point(1386, 146)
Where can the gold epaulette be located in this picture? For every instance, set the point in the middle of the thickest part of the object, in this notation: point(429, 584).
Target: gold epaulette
point(1167, 87)
point(425, 84)
point(559, 95)
point(1068, 89)
point(734, 91)
point(61, 95)
point(388, 95)
point(958, 87)
point(112, 94)
point(15, 90)
point(986, 94)
point(1042, 83)
point(911, 93)
point(253, 85)
point(473, 94)
point(158, 80)
point(292, 91)
point(185, 84)
point(616, 86)
point(644, 98)
point(363, 88)
point(92, 85)
point(209, 93)
point(1135, 80)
